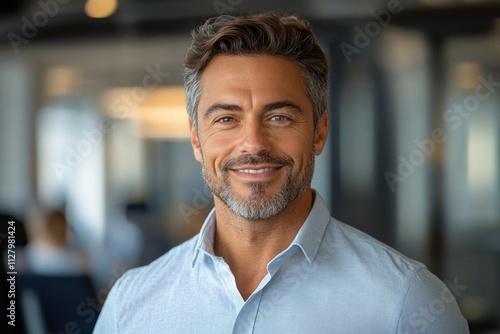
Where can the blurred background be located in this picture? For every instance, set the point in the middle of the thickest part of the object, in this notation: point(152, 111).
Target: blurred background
point(98, 174)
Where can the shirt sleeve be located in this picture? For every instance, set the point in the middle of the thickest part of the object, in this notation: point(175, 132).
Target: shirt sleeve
point(107, 323)
point(430, 307)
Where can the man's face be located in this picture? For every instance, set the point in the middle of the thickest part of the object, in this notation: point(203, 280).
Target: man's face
point(256, 139)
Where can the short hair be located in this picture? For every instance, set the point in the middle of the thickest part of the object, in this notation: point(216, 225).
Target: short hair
point(258, 34)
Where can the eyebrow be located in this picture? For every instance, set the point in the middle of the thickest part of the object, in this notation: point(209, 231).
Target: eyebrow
point(220, 106)
point(281, 105)
point(268, 107)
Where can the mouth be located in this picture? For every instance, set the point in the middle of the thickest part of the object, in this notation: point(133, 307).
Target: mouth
point(256, 170)
point(256, 173)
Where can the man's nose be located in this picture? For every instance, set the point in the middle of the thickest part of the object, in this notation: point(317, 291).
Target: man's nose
point(255, 138)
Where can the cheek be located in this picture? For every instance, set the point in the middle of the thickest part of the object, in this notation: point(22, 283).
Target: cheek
point(214, 152)
point(298, 146)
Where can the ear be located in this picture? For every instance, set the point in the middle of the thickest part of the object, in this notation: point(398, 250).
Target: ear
point(195, 143)
point(321, 133)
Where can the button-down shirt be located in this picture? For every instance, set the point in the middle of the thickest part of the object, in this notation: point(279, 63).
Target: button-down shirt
point(331, 279)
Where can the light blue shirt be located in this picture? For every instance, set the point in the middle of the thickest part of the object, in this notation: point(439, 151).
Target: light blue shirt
point(331, 279)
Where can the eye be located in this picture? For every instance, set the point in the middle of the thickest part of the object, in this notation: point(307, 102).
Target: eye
point(280, 118)
point(225, 119)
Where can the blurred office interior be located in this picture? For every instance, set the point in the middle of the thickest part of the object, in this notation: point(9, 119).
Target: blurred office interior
point(93, 123)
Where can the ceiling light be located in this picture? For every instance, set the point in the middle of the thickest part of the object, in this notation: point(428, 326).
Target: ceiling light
point(99, 9)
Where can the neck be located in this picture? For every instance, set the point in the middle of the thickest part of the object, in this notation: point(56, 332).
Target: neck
point(248, 246)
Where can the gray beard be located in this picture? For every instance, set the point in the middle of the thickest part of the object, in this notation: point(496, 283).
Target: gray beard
point(258, 206)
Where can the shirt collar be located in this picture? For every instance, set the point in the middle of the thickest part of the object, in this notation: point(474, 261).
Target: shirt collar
point(206, 237)
point(311, 233)
point(308, 239)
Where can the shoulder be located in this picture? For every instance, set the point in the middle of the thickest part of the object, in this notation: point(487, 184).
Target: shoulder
point(166, 268)
point(360, 247)
point(140, 286)
point(145, 288)
point(430, 307)
point(359, 262)
point(421, 302)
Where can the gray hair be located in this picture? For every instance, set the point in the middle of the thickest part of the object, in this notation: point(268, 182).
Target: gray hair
point(258, 34)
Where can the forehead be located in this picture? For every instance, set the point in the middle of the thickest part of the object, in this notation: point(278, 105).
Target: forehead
point(255, 77)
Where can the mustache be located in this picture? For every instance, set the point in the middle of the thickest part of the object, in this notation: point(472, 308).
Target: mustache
point(250, 159)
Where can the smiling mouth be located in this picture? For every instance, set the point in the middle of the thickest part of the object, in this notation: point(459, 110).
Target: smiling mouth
point(256, 171)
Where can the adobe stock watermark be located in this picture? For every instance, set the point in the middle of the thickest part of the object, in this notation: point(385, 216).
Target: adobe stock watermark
point(201, 201)
point(453, 116)
point(372, 29)
point(29, 29)
point(225, 6)
point(89, 309)
point(121, 108)
point(422, 318)
point(91, 306)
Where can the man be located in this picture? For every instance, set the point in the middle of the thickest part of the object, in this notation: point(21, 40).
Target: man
point(269, 258)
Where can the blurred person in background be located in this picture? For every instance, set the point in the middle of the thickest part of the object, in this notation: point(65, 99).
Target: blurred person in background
point(269, 257)
point(49, 251)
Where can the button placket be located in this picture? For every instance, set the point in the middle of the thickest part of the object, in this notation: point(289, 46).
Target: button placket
point(228, 282)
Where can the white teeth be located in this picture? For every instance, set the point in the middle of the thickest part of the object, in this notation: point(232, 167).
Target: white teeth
point(257, 171)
